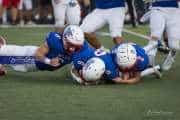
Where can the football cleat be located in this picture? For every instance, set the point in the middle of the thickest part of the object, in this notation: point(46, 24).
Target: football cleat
point(162, 47)
point(157, 72)
point(169, 60)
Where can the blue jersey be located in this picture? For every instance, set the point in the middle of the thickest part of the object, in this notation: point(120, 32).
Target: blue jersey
point(79, 59)
point(165, 3)
point(56, 49)
point(142, 58)
point(106, 4)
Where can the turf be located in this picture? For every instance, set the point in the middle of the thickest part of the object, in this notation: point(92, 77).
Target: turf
point(54, 96)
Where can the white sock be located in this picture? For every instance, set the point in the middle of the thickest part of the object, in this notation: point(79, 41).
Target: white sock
point(149, 71)
point(151, 45)
point(151, 50)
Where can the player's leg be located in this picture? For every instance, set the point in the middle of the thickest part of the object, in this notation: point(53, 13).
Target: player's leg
point(14, 11)
point(157, 26)
point(115, 19)
point(73, 13)
point(59, 14)
point(173, 25)
point(152, 70)
point(3, 9)
point(152, 45)
point(21, 13)
point(15, 50)
point(1, 12)
point(25, 67)
point(28, 6)
point(91, 23)
point(164, 47)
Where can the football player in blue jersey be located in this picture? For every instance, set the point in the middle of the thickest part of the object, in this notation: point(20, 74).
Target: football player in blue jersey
point(80, 59)
point(90, 66)
point(54, 53)
point(107, 12)
point(134, 61)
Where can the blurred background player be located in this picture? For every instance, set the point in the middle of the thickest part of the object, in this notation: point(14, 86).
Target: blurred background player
point(132, 12)
point(110, 12)
point(54, 53)
point(25, 11)
point(44, 13)
point(66, 11)
point(165, 16)
point(13, 5)
point(1, 12)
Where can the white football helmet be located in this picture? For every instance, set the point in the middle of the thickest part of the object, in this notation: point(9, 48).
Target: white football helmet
point(125, 55)
point(73, 39)
point(93, 69)
point(74, 35)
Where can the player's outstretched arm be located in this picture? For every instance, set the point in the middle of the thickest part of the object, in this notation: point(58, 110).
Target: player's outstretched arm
point(41, 55)
point(42, 51)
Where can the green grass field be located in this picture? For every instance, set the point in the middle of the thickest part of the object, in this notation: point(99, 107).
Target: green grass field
point(54, 96)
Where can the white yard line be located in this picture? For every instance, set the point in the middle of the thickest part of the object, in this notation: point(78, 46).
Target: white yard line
point(137, 34)
point(128, 32)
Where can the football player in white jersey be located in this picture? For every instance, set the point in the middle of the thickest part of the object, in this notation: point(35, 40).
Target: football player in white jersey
point(66, 11)
point(165, 16)
point(107, 12)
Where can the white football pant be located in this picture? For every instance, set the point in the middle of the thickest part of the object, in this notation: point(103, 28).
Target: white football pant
point(63, 11)
point(166, 19)
point(14, 50)
point(26, 3)
point(114, 17)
